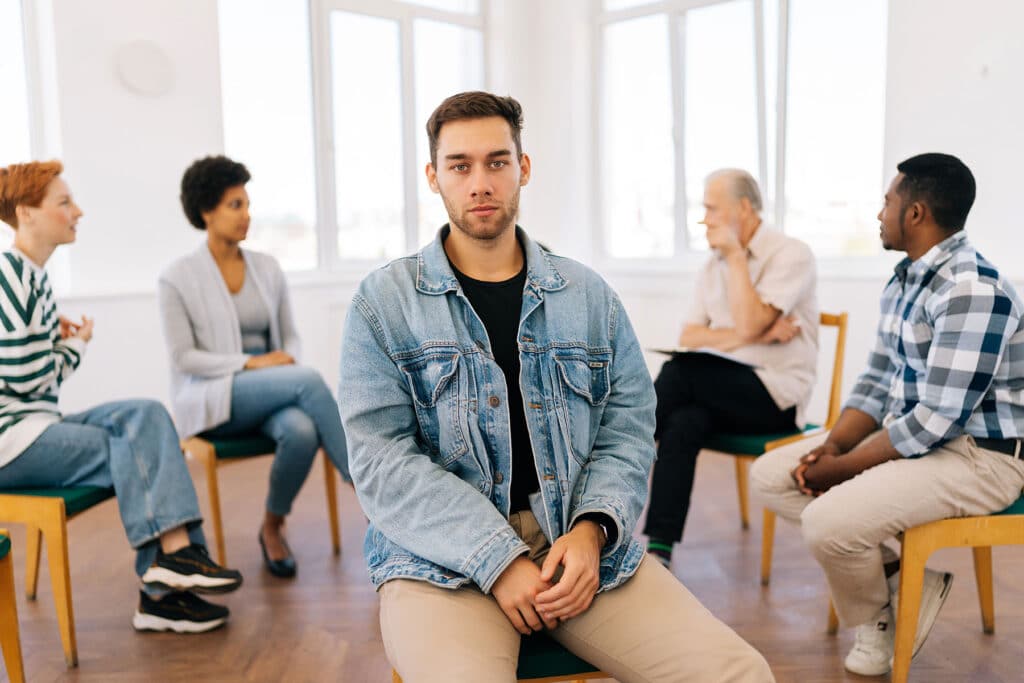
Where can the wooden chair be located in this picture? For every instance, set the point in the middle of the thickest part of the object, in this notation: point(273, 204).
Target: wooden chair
point(919, 542)
point(544, 660)
point(216, 452)
point(45, 512)
point(748, 447)
point(10, 640)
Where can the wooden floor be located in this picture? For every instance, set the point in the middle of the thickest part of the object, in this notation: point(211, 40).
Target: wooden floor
point(323, 626)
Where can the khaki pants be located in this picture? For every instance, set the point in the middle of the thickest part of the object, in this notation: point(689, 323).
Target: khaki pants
point(846, 527)
point(648, 629)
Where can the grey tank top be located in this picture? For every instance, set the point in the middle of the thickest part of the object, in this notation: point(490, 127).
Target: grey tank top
point(253, 318)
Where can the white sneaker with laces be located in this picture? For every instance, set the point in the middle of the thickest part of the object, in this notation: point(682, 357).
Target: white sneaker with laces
point(872, 652)
point(934, 592)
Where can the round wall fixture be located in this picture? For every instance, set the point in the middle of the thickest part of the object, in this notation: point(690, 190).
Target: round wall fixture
point(144, 68)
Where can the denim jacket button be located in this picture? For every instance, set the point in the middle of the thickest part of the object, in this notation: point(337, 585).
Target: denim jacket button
point(494, 401)
point(498, 478)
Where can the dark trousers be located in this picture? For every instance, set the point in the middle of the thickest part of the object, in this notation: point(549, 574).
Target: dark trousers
point(699, 395)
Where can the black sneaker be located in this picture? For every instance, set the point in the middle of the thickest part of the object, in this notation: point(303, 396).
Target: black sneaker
point(191, 569)
point(178, 612)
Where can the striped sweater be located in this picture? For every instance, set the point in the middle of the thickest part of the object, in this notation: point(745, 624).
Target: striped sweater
point(34, 360)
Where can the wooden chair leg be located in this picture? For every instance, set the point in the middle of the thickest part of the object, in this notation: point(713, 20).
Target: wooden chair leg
point(10, 641)
point(332, 502)
point(54, 527)
point(915, 554)
point(986, 597)
point(767, 545)
point(741, 489)
point(204, 452)
point(395, 678)
point(833, 619)
point(213, 487)
point(33, 537)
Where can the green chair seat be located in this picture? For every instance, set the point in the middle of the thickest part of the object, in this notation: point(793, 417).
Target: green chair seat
point(76, 498)
point(541, 657)
point(5, 546)
point(748, 444)
point(242, 446)
point(1015, 509)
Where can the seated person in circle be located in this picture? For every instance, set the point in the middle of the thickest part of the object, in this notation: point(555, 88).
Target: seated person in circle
point(130, 446)
point(233, 346)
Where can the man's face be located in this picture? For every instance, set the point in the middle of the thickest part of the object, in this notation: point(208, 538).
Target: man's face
point(479, 176)
point(891, 218)
point(721, 212)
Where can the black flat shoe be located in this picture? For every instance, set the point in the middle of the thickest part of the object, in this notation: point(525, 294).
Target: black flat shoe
point(285, 567)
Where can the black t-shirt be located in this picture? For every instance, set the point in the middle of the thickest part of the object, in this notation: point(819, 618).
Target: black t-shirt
point(499, 304)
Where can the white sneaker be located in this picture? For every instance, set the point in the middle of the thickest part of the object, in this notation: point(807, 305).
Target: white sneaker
point(934, 592)
point(872, 653)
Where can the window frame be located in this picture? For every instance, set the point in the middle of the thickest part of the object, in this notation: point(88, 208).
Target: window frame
point(675, 11)
point(683, 257)
point(405, 14)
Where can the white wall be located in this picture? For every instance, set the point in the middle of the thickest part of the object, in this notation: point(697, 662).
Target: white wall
point(124, 153)
point(953, 85)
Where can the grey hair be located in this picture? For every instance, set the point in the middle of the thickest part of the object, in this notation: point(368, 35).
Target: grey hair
point(741, 185)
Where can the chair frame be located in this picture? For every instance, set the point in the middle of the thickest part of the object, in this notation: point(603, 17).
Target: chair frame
point(919, 542)
point(10, 640)
point(205, 452)
point(46, 517)
point(743, 462)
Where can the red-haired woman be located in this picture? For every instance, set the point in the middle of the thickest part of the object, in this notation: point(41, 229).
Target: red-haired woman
point(130, 446)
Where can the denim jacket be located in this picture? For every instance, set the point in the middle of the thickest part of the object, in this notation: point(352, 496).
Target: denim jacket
point(423, 404)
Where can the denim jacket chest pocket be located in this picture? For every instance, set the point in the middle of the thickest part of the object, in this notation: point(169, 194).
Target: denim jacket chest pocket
point(440, 393)
point(582, 386)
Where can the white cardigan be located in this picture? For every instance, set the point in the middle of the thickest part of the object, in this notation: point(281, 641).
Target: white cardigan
point(203, 335)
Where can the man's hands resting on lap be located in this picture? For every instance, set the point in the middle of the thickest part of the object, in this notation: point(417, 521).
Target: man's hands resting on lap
point(528, 598)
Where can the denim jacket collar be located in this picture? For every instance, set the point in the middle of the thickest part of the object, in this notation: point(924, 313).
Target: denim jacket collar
point(434, 273)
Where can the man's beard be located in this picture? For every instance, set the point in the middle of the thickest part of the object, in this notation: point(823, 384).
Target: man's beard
point(887, 244)
point(503, 219)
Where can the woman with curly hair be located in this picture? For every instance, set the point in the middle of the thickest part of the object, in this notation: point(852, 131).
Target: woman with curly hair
point(130, 446)
point(228, 324)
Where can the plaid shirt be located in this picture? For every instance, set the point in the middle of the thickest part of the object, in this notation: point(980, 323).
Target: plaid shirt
point(949, 357)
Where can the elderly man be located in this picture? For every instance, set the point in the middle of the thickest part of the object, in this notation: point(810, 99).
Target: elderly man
point(755, 300)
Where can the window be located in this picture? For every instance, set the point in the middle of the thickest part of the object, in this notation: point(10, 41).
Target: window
point(267, 100)
point(638, 173)
point(15, 137)
point(330, 122)
point(689, 86)
point(835, 119)
point(680, 98)
point(390, 66)
point(719, 101)
point(15, 140)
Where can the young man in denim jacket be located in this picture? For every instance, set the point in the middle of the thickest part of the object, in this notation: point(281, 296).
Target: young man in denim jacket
point(500, 420)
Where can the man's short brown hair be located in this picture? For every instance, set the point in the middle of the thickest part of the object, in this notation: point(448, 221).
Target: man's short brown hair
point(25, 185)
point(474, 105)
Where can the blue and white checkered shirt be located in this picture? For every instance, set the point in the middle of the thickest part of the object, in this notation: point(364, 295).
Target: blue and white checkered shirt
point(949, 357)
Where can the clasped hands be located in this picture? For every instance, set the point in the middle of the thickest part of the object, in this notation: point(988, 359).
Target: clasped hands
point(528, 597)
point(821, 469)
point(69, 328)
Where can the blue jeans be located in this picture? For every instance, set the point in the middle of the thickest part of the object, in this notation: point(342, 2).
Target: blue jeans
point(291, 405)
point(131, 446)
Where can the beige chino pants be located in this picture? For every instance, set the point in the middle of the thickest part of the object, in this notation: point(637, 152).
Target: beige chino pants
point(650, 629)
point(846, 527)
